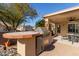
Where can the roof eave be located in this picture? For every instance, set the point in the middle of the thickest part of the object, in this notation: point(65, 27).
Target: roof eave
point(62, 11)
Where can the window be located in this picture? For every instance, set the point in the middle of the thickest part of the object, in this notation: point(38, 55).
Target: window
point(73, 28)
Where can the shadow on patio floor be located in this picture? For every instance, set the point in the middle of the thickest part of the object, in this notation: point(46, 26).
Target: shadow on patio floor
point(51, 46)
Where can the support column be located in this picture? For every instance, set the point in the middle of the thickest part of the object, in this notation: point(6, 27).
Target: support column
point(64, 28)
point(46, 23)
point(56, 28)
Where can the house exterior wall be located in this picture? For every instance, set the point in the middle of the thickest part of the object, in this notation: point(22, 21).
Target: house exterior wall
point(63, 28)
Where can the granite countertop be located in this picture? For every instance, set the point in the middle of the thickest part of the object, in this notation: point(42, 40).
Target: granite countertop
point(20, 35)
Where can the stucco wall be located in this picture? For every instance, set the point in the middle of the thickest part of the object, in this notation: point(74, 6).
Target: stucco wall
point(63, 28)
point(26, 47)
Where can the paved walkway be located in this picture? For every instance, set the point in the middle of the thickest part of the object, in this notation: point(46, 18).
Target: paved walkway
point(61, 49)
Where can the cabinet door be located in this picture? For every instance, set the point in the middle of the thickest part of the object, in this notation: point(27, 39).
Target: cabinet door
point(39, 42)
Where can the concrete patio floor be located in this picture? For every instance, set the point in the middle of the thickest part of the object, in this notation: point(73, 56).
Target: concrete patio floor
point(58, 48)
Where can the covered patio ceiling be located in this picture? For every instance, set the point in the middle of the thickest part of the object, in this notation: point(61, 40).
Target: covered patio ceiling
point(64, 16)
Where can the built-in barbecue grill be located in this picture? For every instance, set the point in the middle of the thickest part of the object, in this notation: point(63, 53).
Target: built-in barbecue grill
point(42, 30)
point(43, 40)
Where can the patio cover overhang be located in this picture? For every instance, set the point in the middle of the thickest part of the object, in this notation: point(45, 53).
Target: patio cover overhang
point(63, 15)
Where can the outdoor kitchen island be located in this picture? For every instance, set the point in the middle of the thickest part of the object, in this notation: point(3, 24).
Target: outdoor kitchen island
point(26, 42)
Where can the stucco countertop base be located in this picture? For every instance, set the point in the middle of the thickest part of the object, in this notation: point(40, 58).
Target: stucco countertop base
point(26, 42)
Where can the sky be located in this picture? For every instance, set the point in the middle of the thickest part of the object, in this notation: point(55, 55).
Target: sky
point(47, 8)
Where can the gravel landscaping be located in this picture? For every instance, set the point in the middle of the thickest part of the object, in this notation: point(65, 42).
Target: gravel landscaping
point(10, 51)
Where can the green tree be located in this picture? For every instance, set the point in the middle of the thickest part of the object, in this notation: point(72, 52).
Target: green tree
point(40, 23)
point(14, 14)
